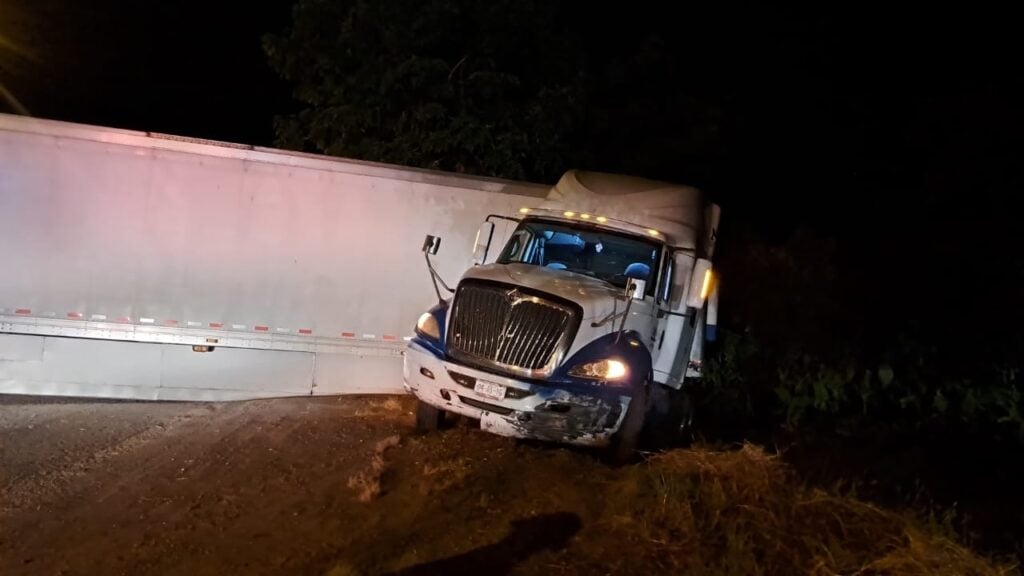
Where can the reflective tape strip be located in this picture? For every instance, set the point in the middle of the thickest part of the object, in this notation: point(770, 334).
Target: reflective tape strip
point(213, 325)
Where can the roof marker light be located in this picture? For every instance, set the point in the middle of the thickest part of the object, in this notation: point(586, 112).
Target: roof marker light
point(569, 214)
point(585, 216)
point(602, 219)
point(653, 232)
point(524, 210)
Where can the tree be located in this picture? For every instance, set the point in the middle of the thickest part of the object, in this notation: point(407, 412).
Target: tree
point(481, 87)
point(520, 89)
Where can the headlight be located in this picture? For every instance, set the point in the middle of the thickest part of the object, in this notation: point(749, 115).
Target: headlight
point(427, 326)
point(601, 370)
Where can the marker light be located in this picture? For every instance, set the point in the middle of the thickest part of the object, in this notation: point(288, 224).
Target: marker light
point(524, 210)
point(585, 216)
point(653, 232)
point(569, 214)
point(602, 219)
point(706, 288)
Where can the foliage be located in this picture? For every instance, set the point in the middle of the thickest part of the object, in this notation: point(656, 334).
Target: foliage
point(803, 352)
point(440, 84)
point(513, 88)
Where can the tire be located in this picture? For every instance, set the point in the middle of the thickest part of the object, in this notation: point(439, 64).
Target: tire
point(682, 408)
point(428, 418)
point(622, 449)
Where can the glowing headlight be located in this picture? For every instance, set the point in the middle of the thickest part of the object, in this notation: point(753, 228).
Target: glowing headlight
point(427, 326)
point(600, 370)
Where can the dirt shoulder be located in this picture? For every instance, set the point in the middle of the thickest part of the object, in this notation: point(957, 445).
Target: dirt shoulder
point(343, 486)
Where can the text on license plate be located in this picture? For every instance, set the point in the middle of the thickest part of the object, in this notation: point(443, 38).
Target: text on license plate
point(489, 389)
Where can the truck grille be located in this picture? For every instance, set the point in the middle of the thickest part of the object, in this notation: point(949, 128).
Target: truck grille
point(505, 329)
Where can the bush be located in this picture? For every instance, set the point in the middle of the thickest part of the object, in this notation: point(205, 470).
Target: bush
point(802, 348)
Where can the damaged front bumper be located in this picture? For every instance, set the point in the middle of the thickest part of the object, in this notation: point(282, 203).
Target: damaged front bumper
point(540, 412)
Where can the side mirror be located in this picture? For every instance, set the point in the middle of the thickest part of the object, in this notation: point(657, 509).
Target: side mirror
point(701, 282)
point(636, 288)
point(482, 244)
point(431, 244)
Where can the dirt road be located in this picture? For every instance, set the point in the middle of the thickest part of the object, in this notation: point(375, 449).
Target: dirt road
point(339, 486)
point(270, 487)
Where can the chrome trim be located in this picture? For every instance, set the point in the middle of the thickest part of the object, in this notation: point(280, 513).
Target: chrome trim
point(503, 329)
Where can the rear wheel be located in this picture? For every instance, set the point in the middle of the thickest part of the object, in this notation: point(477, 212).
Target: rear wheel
point(682, 408)
point(623, 446)
point(428, 418)
point(670, 419)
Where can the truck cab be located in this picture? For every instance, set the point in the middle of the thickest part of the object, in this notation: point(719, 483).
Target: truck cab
point(586, 326)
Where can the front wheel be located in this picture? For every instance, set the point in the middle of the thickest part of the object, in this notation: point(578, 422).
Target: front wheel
point(428, 418)
point(623, 446)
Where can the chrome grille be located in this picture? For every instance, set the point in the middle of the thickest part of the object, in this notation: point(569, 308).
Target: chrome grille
point(502, 328)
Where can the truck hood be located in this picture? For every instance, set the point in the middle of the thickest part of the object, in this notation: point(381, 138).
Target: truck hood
point(597, 297)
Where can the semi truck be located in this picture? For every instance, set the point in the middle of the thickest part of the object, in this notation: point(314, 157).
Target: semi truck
point(160, 267)
point(585, 327)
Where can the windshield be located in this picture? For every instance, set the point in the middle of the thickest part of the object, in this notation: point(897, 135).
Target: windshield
point(584, 249)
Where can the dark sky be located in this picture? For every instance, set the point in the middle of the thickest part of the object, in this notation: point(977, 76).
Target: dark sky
point(185, 67)
point(820, 107)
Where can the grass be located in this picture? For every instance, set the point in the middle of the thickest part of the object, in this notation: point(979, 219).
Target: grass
point(741, 513)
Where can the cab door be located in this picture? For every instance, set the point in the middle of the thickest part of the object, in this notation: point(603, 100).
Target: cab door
point(676, 324)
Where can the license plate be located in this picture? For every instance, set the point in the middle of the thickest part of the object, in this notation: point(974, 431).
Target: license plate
point(489, 389)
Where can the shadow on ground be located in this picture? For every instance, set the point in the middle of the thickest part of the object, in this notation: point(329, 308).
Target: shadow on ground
point(528, 536)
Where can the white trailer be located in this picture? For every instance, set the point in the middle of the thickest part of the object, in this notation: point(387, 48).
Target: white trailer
point(140, 265)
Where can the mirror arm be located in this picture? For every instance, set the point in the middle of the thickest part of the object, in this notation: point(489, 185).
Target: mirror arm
point(605, 320)
point(630, 288)
point(435, 277)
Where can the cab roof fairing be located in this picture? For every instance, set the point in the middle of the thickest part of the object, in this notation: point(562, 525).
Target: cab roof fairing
point(631, 204)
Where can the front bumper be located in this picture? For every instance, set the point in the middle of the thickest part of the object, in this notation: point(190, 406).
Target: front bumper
point(582, 417)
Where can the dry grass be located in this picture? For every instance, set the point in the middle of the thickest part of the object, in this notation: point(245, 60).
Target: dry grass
point(367, 483)
point(739, 512)
point(442, 475)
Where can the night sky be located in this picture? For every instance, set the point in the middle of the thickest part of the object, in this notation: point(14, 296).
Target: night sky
point(183, 67)
point(823, 108)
